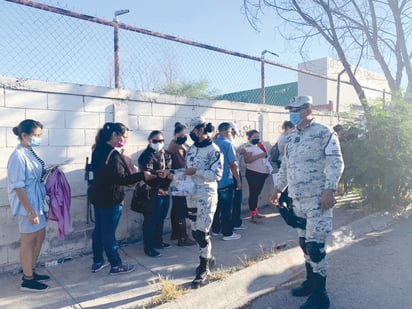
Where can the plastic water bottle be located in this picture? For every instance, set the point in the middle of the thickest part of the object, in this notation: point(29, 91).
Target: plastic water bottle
point(51, 263)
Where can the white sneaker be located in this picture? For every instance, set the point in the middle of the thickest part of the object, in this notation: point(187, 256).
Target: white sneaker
point(241, 227)
point(234, 236)
point(215, 234)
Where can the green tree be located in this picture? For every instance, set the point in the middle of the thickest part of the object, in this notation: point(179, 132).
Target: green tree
point(191, 89)
point(378, 154)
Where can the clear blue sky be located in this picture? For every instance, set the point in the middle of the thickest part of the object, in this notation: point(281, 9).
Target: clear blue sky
point(219, 23)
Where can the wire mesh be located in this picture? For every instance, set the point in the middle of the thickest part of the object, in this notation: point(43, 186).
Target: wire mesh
point(47, 44)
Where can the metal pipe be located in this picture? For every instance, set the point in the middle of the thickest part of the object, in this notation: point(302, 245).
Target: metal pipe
point(338, 91)
point(262, 79)
point(116, 54)
point(262, 75)
point(116, 46)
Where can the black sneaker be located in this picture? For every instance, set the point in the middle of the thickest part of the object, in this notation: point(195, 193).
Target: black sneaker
point(163, 245)
point(38, 277)
point(33, 286)
point(153, 253)
point(96, 267)
point(122, 269)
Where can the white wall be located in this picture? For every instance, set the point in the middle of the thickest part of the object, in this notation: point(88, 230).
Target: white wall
point(72, 114)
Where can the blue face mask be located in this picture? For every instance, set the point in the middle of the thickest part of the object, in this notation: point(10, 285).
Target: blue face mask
point(295, 118)
point(35, 141)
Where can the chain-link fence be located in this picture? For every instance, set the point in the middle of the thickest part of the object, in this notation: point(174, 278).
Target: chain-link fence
point(46, 43)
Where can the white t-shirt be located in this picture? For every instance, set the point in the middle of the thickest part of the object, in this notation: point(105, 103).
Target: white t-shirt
point(258, 165)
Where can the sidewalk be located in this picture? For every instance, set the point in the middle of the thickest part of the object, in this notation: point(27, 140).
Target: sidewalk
point(72, 285)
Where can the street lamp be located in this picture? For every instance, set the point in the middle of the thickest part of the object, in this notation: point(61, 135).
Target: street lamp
point(116, 45)
point(262, 74)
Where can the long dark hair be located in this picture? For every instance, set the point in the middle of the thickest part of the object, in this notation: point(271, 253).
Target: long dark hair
point(154, 133)
point(104, 134)
point(26, 126)
point(179, 127)
point(250, 133)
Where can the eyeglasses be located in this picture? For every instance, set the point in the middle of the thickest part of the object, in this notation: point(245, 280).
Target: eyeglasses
point(155, 141)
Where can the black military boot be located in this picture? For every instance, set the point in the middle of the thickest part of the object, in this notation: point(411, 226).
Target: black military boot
point(211, 262)
point(202, 272)
point(319, 298)
point(306, 287)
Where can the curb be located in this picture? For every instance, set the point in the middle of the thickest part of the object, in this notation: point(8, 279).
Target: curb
point(263, 277)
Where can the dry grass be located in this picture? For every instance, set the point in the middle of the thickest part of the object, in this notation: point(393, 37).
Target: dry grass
point(168, 291)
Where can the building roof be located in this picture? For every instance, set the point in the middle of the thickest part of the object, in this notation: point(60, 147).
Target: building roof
point(274, 95)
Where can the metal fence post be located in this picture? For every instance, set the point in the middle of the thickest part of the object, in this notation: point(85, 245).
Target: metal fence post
point(116, 46)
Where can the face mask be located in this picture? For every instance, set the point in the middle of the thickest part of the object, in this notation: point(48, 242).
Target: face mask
point(157, 147)
point(295, 118)
point(121, 143)
point(181, 140)
point(254, 141)
point(35, 141)
point(194, 137)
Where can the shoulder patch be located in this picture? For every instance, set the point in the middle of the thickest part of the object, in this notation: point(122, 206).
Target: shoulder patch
point(333, 146)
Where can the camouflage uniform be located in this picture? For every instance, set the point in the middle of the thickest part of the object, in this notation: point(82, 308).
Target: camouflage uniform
point(201, 205)
point(312, 162)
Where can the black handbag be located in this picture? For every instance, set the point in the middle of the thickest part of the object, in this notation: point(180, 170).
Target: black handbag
point(286, 211)
point(141, 196)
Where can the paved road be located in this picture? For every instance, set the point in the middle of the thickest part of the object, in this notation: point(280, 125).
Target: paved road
point(373, 273)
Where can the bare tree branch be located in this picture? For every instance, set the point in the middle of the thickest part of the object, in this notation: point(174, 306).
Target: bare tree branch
point(357, 30)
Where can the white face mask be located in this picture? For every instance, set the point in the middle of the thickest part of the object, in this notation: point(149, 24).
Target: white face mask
point(35, 142)
point(157, 147)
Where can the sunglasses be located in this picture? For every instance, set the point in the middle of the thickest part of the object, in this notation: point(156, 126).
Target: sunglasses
point(296, 109)
point(156, 141)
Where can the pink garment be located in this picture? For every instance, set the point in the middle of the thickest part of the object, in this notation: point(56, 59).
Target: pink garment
point(58, 189)
point(263, 147)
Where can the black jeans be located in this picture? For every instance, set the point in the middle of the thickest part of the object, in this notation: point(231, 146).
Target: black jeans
point(178, 214)
point(237, 205)
point(256, 182)
point(153, 221)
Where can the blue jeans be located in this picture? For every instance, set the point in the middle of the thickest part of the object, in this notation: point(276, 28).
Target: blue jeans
point(237, 205)
point(222, 220)
point(154, 220)
point(104, 234)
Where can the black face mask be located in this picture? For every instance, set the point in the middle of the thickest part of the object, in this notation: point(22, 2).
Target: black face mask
point(181, 140)
point(254, 141)
point(194, 137)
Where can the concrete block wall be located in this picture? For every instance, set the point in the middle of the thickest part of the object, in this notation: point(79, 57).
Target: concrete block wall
point(72, 114)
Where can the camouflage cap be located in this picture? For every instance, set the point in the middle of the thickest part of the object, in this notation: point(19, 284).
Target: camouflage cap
point(194, 122)
point(298, 101)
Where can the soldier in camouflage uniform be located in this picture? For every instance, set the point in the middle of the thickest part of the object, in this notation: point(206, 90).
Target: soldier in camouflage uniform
point(205, 162)
point(311, 168)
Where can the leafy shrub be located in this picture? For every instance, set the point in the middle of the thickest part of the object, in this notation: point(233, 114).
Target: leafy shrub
point(378, 154)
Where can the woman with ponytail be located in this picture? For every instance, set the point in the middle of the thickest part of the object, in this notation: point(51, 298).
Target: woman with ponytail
point(106, 193)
